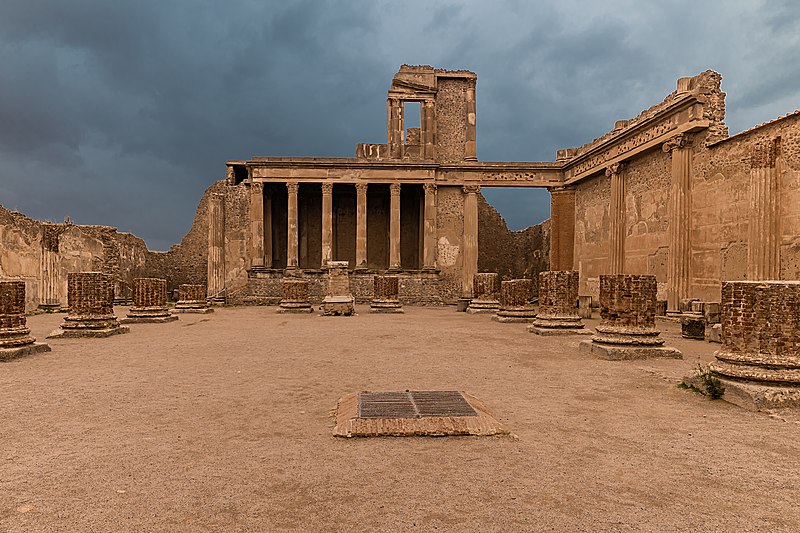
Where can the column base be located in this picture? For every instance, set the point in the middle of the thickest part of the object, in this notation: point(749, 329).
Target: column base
point(482, 310)
point(338, 306)
point(147, 319)
point(616, 352)
point(7, 354)
point(296, 309)
point(386, 307)
point(82, 333)
point(754, 396)
point(513, 319)
point(51, 308)
point(199, 310)
point(545, 331)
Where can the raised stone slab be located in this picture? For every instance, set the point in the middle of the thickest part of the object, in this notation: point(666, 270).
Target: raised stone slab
point(613, 352)
point(413, 413)
point(295, 296)
point(339, 300)
point(555, 331)
point(147, 319)
point(7, 354)
point(86, 332)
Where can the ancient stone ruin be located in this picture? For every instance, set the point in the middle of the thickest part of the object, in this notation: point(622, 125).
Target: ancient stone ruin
point(295, 296)
point(15, 337)
point(485, 293)
point(91, 307)
point(192, 299)
point(515, 301)
point(628, 320)
point(149, 302)
point(386, 297)
point(558, 305)
point(339, 299)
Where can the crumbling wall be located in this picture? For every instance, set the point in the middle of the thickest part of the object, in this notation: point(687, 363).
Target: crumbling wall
point(449, 241)
point(451, 110)
point(592, 227)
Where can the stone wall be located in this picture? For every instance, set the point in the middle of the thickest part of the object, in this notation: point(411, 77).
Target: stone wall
point(451, 109)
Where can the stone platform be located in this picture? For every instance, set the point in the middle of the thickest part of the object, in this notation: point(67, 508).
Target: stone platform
point(7, 354)
point(616, 352)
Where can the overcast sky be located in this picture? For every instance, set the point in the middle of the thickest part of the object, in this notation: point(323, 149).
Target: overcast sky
point(123, 112)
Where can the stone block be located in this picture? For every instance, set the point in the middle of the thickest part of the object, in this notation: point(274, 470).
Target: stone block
point(295, 296)
point(693, 326)
point(714, 333)
point(711, 312)
point(339, 299)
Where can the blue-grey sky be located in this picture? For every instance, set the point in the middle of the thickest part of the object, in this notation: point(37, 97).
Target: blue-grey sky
point(122, 113)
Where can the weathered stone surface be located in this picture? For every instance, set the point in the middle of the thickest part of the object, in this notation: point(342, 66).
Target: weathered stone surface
point(149, 302)
point(714, 333)
point(192, 299)
point(711, 312)
point(91, 307)
point(339, 300)
point(585, 306)
point(515, 301)
point(558, 311)
point(15, 338)
point(627, 328)
point(693, 326)
point(295, 296)
point(485, 293)
point(386, 295)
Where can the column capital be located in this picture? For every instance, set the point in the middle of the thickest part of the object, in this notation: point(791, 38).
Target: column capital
point(471, 189)
point(257, 186)
point(292, 187)
point(679, 141)
point(613, 169)
point(361, 187)
point(394, 188)
point(429, 188)
point(327, 188)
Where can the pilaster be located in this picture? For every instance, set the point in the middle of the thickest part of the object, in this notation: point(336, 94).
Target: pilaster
point(617, 220)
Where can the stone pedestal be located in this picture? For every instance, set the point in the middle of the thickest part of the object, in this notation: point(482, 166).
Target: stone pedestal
point(485, 293)
point(515, 301)
point(386, 295)
point(192, 299)
point(693, 326)
point(759, 362)
point(558, 311)
point(15, 337)
point(627, 328)
point(90, 296)
point(295, 296)
point(339, 300)
point(149, 302)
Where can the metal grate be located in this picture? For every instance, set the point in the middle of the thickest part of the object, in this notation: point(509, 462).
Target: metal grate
point(413, 404)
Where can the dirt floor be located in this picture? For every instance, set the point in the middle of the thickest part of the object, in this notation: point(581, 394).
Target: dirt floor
point(222, 422)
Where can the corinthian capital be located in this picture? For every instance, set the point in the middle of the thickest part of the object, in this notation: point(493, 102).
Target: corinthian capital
point(429, 188)
point(613, 169)
point(679, 141)
point(361, 188)
point(394, 188)
point(292, 187)
point(472, 189)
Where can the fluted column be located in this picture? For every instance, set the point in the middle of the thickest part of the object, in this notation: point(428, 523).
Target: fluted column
point(291, 213)
point(429, 231)
point(428, 125)
point(257, 224)
point(395, 127)
point(216, 247)
point(562, 228)
point(680, 209)
point(267, 227)
point(617, 220)
point(763, 234)
point(51, 280)
point(470, 264)
point(327, 224)
point(361, 225)
point(394, 227)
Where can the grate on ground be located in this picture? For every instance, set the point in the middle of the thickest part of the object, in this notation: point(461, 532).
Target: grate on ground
point(413, 404)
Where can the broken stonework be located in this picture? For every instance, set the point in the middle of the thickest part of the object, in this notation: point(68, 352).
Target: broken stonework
point(15, 337)
point(386, 295)
point(759, 362)
point(693, 326)
point(558, 311)
point(515, 301)
point(627, 329)
point(295, 296)
point(90, 296)
point(339, 300)
point(149, 302)
point(192, 299)
point(485, 293)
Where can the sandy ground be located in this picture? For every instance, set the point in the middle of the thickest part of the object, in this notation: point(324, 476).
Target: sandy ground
point(223, 422)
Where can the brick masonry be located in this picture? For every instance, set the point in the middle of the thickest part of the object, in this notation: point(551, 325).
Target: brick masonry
point(558, 301)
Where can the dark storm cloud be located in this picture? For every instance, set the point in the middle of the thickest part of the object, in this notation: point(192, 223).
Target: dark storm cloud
point(122, 113)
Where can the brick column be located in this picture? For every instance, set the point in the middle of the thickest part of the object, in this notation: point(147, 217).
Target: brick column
point(15, 338)
point(292, 236)
point(562, 228)
point(216, 247)
point(485, 293)
point(429, 230)
point(558, 305)
point(470, 252)
point(90, 296)
point(680, 210)
point(515, 301)
point(192, 299)
point(327, 224)
point(394, 227)
point(149, 302)
point(395, 127)
point(764, 233)
point(617, 220)
point(257, 224)
point(295, 296)
point(361, 225)
point(628, 320)
point(386, 295)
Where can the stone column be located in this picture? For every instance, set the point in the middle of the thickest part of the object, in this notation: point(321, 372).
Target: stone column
point(149, 302)
point(428, 125)
point(50, 267)
point(429, 228)
point(395, 127)
point(558, 305)
point(680, 209)
point(327, 224)
point(760, 332)
point(15, 336)
point(257, 224)
point(295, 296)
point(192, 299)
point(470, 264)
point(515, 301)
point(386, 295)
point(562, 228)
point(267, 228)
point(292, 236)
point(616, 254)
point(628, 320)
point(394, 227)
point(361, 225)
point(764, 233)
point(470, 148)
point(216, 247)
point(485, 293)
point(90, 296)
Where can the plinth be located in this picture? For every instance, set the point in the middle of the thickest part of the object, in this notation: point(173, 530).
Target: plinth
point(90, 296)
point(149, 302)
point(295, 296)
point(15, 337)
point(515, 301)
point(558, 309)
point(339, 300)
point(485, 293)
point(386, 295)
point(192, 299)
